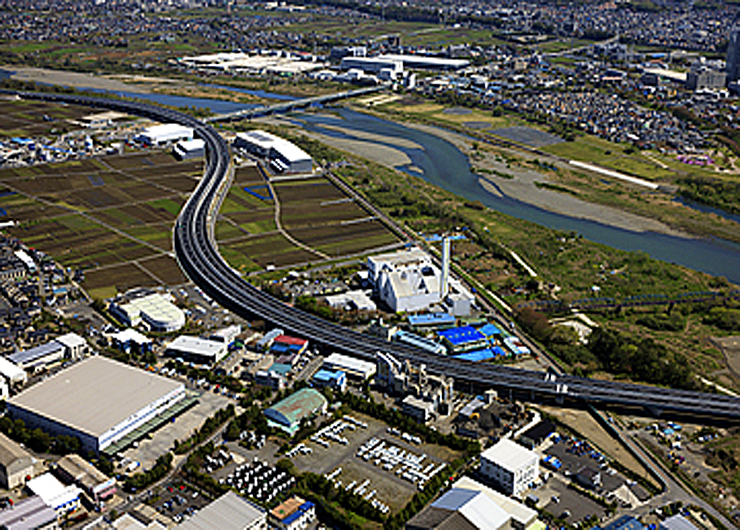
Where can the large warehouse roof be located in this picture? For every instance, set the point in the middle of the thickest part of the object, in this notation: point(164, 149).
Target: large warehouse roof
point(94, 395)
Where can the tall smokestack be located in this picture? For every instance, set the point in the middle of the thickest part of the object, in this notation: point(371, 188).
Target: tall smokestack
point(445, 267)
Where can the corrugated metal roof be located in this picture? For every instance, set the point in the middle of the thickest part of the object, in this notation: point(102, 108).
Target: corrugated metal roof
point(461, 335)
point(228, 512)
point(297, 406)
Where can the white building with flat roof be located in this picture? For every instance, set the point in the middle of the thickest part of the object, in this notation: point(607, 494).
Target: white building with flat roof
point(353, 367)
point(197, 350)
point(12, 372)
point(228, 512)
point(284, 156)
point(166, 133)
point(55, 494)
point(510, 465)
point(98, 400)
point(372, 64)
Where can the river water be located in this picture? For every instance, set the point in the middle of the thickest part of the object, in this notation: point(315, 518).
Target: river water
point(443, 164)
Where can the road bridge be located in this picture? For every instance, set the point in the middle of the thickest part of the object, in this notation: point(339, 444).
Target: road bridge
point(288, 106)
point(197, 253)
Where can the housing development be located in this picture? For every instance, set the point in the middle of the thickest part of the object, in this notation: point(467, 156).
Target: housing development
point(366, 265)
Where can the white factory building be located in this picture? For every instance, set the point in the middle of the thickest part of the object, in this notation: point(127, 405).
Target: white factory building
point(98, 400)
point(372, 64)
point(187, 149)
point(264, 63)
point(283, 156)
point(166, 133)
point(408, 280)
point(354, 368)
point(197, 350)
point(510, 465)
point(155, 310)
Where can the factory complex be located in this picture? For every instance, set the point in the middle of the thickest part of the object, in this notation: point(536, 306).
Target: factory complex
point(409, 280)
point(98, 400)
point(282, 155)
point(242, 63)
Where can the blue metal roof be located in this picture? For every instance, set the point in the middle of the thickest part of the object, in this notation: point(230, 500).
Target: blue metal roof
point(303, 508)
point(326, 376)
point(33, 354)
point(489, 329)
point(462, 335)
point(427, 319)
point(626, 522)
point(477, 355)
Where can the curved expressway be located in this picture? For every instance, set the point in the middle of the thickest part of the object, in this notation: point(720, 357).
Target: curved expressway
point(197, 253)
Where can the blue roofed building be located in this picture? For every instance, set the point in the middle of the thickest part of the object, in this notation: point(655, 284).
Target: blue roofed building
point(419, 342)
point(432, 321)
point(333, 379)
point(490, 331)
point(625, 522)
point(485, 354)
point(293, 514)
point(462, 339)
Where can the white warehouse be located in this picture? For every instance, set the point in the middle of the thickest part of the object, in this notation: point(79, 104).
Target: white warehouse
point(510, 465)
point(166, 133)
point(284, 156)
point(98, 400)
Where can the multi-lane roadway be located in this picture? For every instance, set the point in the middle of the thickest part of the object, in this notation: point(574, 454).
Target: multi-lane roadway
point(197, 252)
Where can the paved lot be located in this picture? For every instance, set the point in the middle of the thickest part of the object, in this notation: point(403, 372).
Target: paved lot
point(572, 463)
point(179, 500)
point(183, 426)
point(569, 500)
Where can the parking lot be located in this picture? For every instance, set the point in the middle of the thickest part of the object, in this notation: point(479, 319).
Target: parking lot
point(328, 452)
point(179, 502)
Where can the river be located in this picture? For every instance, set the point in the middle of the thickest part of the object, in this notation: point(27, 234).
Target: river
point(443, 164)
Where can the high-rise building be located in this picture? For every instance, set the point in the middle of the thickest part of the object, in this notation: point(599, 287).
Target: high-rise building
point(733, 53)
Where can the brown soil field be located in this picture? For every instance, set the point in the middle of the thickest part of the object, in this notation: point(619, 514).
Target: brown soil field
point(324, 235)
point(123, 277)
point(166, 269)
point(315, 191)
point(178, 183)
point(298, 215)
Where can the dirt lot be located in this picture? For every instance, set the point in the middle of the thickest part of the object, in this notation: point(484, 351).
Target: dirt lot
point(588, 428)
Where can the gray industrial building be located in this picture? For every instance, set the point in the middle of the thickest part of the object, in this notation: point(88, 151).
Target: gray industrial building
point(15, 463)
point(98, 400)
point(228, 512)
point(706, 75)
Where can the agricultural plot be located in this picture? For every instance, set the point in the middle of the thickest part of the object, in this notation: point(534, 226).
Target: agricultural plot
point(26, 118)
point(313, 211)
point(110, 216)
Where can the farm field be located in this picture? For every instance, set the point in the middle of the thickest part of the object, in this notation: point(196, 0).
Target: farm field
point(111, 217)
point(26, 118)
point(312, 211)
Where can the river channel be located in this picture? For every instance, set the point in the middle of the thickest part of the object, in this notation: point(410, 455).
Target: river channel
point(441, 163)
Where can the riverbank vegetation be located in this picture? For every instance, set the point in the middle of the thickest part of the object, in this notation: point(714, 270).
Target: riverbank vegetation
point(693, 182)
